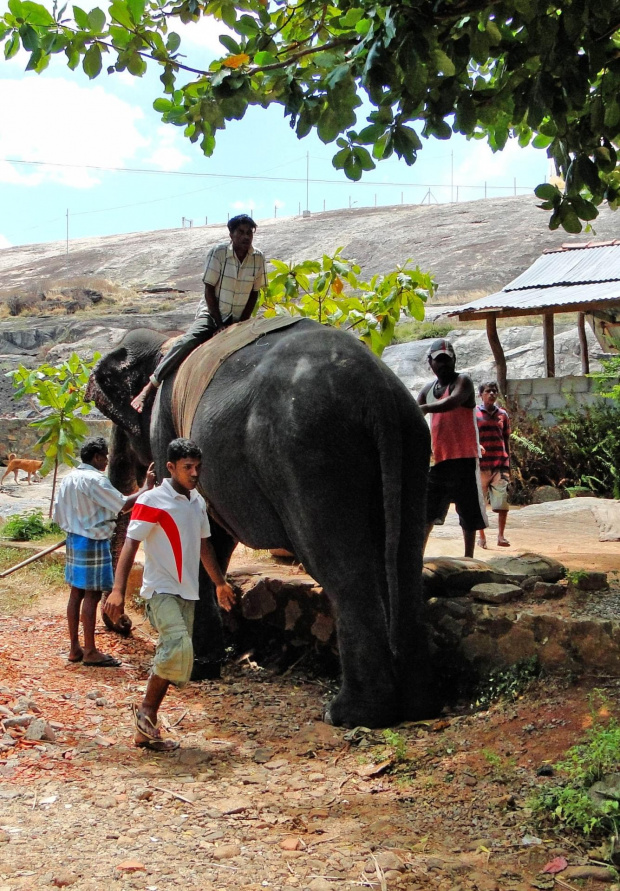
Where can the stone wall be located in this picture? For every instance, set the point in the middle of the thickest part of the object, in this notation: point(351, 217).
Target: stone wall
point(546, 395)
point(17, 436)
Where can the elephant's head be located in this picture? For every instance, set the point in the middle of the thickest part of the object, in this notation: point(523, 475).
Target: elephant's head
point(116, 379)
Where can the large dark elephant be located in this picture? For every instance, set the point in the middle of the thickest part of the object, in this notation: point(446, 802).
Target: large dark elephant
point(312, 444)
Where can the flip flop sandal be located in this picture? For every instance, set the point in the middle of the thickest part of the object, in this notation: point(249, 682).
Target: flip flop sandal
point(482, 544)
point(107, 662)
point(158, 745)
point(75, 661)
point(144, 726)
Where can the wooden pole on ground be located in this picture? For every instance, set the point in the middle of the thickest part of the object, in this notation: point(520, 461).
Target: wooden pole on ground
point(34, 557)
point(583, 342)
point(548, 344)
point(498, 352)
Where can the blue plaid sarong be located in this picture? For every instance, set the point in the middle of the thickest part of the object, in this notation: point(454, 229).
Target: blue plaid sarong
point(88, 563)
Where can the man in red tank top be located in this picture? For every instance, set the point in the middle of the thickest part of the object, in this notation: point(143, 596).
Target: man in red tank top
point(454, 477)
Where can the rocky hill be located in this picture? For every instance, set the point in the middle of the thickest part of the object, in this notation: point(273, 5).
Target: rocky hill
point(471, 246)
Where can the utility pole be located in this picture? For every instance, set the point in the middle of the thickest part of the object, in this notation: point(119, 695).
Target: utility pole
point(451, 177)
point(307, 181)
point(67, 232)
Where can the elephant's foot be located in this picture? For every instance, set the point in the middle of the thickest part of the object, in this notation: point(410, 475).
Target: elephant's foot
point(346, 711)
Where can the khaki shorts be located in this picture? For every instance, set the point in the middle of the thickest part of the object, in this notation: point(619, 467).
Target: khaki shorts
point(495, 489)
point(173, 618)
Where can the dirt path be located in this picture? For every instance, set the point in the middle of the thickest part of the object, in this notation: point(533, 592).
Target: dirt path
point(262, 794)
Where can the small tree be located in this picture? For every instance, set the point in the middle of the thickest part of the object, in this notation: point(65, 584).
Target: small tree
point(59, 389)
point(316, 289)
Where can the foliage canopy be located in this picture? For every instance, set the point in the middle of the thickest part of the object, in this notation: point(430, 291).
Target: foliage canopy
point(331, 292)
point(545, 73)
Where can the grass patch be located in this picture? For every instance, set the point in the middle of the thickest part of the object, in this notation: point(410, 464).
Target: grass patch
point(20, 591)
point(406, 332)
point(574, 804)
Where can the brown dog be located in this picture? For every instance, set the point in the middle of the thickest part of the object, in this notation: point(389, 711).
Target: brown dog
point(28, 465)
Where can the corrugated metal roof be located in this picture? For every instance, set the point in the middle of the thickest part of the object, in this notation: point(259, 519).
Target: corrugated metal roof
point(538, 299)
point(576, 266)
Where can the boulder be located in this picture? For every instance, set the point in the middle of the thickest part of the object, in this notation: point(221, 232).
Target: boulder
point(523, 564)
point(496, 593)
point(452, 577)
point(543, 494)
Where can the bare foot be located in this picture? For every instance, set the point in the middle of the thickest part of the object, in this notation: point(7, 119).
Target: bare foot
point(503, 542)
point(139, 401)
point(482, 543)
point(76, 655)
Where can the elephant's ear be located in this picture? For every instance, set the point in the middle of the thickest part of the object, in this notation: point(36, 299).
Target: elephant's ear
point(121, 374)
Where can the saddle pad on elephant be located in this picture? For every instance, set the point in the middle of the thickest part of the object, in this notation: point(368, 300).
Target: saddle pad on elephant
point(196, 372)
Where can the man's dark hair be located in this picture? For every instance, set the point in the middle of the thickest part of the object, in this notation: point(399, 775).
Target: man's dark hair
point(95, 446)
point(183, 448)
point(240, 220)
point(482, 387)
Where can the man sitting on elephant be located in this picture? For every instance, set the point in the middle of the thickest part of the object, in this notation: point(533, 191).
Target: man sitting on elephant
point(233, 276)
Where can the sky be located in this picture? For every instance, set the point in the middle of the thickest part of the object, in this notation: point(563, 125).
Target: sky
point(82, 158)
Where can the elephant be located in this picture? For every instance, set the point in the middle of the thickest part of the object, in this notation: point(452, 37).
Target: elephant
point(311, 444)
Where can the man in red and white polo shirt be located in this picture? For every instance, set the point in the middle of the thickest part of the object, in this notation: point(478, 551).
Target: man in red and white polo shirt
point(173, 526)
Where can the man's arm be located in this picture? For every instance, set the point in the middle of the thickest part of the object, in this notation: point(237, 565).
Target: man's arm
point(115, 603)
point(224, 593)
point(249, 307)
point(462, 394)
point(423, 392)
point(213, 304)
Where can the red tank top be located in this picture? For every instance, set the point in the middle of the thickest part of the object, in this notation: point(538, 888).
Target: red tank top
point(454, 433)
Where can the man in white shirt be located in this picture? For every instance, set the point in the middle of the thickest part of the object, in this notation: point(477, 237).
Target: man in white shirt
point(86, 508)
point(171, 522)
point(233, 276)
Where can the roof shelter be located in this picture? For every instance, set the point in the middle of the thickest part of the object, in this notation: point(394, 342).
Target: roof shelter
point(581, 278)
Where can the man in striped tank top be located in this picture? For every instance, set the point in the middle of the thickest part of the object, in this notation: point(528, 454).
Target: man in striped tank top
point(454, 477)
point(494, 432)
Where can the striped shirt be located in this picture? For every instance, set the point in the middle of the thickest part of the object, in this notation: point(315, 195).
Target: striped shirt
point(232, 279)
point(171, 526)
point(494, 433)
point(87, 503)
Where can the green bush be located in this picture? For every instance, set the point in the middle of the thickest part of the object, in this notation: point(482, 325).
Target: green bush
point(569, 804)
point(582, 451)
point(405, 332)
point(28, 526)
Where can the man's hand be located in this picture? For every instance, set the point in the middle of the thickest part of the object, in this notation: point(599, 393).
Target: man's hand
point(151, 479)
point(114, 605)
point(225, 596)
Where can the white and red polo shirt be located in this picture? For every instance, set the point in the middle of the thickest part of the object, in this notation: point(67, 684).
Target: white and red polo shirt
point(170, 527)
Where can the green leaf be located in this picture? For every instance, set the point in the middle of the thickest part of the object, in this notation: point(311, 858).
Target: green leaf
point(547, 192)
point(81, 18)
point(136, 10)
point(96, 20)
point(173, 42)
point(228, 43)
point(264, 58)
point(92, 61)
point(443, 63)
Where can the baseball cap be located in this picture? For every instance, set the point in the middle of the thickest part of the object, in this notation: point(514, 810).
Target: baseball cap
point(441, 347)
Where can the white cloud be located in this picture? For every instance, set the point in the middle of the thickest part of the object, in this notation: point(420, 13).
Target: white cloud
point(277, 203)
point(165, 155)
point(204, 34)
point(4, 242)
point(73, 125)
